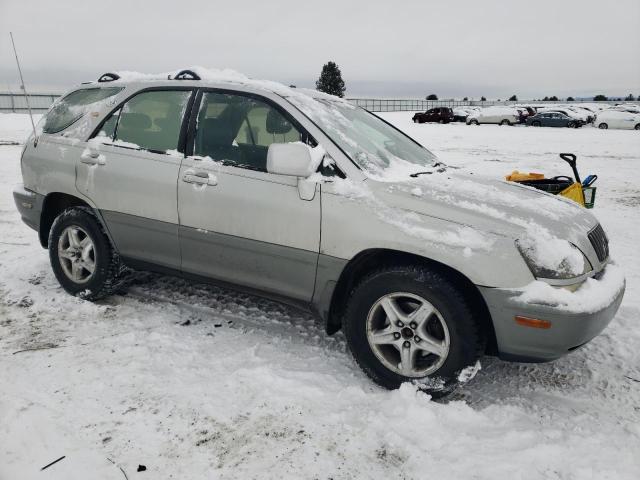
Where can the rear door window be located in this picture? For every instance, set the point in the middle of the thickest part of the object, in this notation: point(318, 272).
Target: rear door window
point(73, 106)
point(151, 120)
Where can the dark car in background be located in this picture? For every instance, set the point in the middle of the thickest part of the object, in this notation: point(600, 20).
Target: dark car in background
point(554, 119)
point(524, 113)
point(438, 114)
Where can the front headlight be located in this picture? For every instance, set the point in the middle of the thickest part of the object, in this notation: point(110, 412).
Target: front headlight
point(553, 258)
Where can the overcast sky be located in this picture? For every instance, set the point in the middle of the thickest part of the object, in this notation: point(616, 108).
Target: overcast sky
point(384, 48)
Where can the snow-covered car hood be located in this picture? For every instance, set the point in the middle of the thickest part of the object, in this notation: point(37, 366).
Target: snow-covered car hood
point(487, 204)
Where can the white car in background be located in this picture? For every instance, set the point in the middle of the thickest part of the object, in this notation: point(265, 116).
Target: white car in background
point(497, 114)
point(588, 115)
point(617, 119)
point(630, 108)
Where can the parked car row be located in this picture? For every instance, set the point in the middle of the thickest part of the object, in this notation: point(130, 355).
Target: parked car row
point(624, 116)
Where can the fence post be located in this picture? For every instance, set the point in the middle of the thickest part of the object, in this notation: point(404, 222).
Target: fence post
point(13, 103)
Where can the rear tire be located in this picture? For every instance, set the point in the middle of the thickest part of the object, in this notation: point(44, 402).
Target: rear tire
point(82, 257)
point(536, 124)
point(451, 323)
point(572, 125)
point(637, 127)
point(505, 122)
point(603, 126)
point(473, 122)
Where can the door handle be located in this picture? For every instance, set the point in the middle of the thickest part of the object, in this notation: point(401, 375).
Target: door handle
point(199, 178)
point(90, 157)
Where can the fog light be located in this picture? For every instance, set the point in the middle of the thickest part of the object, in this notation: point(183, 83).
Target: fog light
point(532, 322)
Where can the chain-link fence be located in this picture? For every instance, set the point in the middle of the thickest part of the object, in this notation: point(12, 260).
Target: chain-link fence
point(17, 103)
point(415, 105)
point(403, 105)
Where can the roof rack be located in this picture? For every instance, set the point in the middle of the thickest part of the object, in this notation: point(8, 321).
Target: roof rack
point(108, 77)
point(186, 75)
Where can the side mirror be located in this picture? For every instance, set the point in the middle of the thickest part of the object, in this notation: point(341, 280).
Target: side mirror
point(293, 159)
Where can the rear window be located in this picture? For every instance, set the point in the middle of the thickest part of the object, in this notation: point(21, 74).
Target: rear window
point(70, 108)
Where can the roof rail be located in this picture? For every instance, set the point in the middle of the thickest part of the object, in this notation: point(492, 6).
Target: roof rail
point(108, 77)
point(186, 75)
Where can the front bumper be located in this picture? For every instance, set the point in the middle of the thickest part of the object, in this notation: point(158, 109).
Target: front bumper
point(569, 329)
point(29, 205)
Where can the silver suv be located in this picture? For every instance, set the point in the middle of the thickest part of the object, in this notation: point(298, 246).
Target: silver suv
point(303, 197)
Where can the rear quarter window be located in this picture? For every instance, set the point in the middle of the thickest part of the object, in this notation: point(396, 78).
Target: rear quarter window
point(73, 106)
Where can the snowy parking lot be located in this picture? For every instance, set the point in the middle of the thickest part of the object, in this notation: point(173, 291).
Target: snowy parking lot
point(195, 381)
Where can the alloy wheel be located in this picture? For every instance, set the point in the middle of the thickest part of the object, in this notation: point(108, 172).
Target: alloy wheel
point(76, 254)
point(407, 334)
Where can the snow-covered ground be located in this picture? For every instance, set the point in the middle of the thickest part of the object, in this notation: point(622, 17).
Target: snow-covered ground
point(195, 381)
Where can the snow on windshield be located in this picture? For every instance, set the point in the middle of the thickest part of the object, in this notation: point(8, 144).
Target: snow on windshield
point(385, 153)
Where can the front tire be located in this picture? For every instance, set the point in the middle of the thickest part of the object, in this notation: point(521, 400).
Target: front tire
point(603, 126)
point(410, 323)
point(536, 124)
point(637, 127)
point(505, 122)
point(82, 257)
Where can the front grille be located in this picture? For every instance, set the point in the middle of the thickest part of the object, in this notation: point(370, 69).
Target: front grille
point(600, 242)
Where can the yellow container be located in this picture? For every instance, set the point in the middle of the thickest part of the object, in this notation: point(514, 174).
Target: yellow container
point(574, 192)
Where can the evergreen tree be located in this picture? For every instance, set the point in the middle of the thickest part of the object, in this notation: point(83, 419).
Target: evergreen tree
point(465, 99)
point(545, 99)
point(570, 99)
point(483, 99)
point(553, 99)
point(600, 98)
point(513, 98)
point(630, 98)
point(330, 80)
point(432, 96)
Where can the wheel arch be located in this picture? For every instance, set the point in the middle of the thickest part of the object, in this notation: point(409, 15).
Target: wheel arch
point(368, 260)
point(55, 203)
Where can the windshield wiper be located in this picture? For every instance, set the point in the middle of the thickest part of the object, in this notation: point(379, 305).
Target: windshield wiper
point(442, 168)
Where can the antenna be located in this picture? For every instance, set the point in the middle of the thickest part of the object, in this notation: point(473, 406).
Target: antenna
point(26, 95)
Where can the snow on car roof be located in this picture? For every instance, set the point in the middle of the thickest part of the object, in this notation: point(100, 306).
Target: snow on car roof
point(222, 76)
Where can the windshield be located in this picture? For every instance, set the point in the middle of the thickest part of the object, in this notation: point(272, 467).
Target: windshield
point(375, 146)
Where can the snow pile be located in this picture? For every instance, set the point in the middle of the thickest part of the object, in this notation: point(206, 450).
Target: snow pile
point(592, 296)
